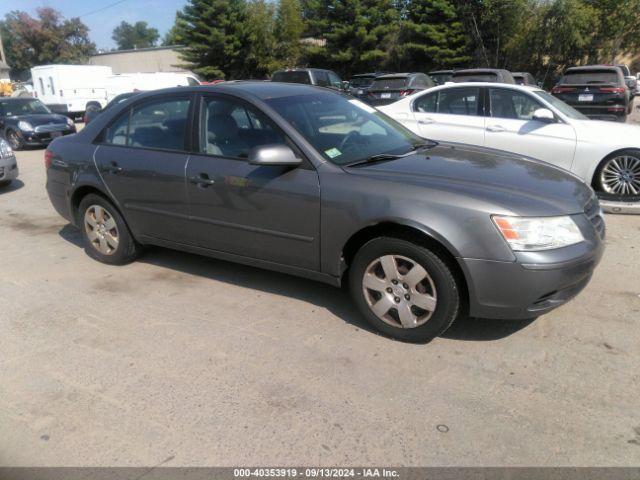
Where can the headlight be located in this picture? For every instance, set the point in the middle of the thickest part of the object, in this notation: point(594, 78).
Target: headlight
point(5, 149)
point(25, 126)
point(538, 233)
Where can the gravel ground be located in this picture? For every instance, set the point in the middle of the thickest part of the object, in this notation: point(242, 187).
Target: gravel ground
point(182, 360)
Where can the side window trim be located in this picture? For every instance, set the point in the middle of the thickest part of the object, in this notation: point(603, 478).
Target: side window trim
point(187, 145)
point(197, 121)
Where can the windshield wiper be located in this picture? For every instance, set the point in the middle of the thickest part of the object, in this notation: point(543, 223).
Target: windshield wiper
point(381, 157)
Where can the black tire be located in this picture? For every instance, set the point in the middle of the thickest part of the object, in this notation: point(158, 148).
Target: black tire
point(597, 180)
point(14, 139)
point(448, 294)
point(127, 249)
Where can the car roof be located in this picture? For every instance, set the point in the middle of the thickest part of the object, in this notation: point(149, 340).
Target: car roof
point(398, 75)
point(611, 68)
point(513, 86)
point(433, 72)
point(284, 70)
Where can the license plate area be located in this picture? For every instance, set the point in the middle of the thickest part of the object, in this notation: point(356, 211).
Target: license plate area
point(55, 134)
point(585, 97)
point(385, 95)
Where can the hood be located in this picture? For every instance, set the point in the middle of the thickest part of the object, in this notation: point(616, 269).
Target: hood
point(624, 135)
point(37, 119)
point(505, 183)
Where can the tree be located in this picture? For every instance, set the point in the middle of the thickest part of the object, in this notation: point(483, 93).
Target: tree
point(358, 33)
point(289, 29)
point(431, 36)
point(214, 36)
point(173, 36)
point(46, 39)
point(260, 41)
point(138, 35)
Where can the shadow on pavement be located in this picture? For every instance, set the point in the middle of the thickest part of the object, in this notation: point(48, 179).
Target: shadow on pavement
point(335, 300)
point(12, 187)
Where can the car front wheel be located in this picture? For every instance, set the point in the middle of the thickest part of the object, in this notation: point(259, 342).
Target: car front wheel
point(619, 175)
point(106, 235)
point(404, 290)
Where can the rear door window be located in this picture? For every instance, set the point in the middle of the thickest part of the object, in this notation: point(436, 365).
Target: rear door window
point(459, 101)
point(157, 124)
point(427, 103)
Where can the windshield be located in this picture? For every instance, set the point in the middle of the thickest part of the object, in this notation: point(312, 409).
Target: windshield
point(344, 130)
point(588, 77)
point(22, 107)
point(361, 81)
point(393, 83)
point(292, 77)
point(565, 109)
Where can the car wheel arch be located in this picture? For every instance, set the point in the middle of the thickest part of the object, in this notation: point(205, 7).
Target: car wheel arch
point(82, 191)
point(407, 231)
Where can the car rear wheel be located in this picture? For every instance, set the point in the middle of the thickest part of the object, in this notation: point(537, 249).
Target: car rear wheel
point(106, 235)
point(14, 139)
point(404, 290)
point(619, 175)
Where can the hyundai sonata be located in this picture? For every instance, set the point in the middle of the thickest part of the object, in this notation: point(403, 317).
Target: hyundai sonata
point(312, 182)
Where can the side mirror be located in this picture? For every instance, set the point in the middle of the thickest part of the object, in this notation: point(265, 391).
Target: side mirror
point(544, 115)
point(273, 155)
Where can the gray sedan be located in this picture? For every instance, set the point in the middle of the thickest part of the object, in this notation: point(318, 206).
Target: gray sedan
point(8, 163)
point(314, 183)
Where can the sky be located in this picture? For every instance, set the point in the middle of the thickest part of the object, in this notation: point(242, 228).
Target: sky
point(102, 16)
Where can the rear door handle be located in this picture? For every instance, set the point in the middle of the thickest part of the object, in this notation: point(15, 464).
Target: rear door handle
point(202, 180)
point(495, 128)
point(114, 168)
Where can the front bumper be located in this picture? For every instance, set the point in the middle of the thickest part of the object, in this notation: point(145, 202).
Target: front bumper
point(8, 169)
point(537, 282)
point(38, 139)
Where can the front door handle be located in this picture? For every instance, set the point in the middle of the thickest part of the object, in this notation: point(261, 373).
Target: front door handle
point(495, 128)
point(202, 180)
point(426, 121)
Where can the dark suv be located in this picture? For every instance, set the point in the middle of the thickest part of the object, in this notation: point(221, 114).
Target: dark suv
point(360, 84)
point(494, 75)
point(309, 76)
point(311, 182)
point(394, 86)
point(597, 91)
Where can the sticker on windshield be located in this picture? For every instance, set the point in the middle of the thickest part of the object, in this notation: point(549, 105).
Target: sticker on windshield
point(333, 152)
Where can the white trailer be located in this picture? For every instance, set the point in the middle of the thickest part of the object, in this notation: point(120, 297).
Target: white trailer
point(68, 89)
point(130, 82)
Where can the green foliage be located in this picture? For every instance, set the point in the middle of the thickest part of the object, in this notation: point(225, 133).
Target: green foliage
point(260, 42)
point(46, 39)
point(431, 36)
point(214, 33)
point(138, 35)
point(289, 28)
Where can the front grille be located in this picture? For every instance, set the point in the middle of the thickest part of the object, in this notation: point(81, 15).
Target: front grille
point(54, 127)
point(593, 213)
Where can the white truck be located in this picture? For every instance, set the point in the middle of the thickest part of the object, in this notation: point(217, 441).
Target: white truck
point(68, 89)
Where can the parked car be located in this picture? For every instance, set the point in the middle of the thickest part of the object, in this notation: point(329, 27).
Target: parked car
point(8, 164)
point(440, 77)
point(483, 75)
point(309, 76)
point(597, 91)
point(93, 110)
point(529, 121)
point(359, 84)
point(315, 183)
point(389, 88)
point(524, 78)
point(632, 85)
point(27, 121)
point(625, 70)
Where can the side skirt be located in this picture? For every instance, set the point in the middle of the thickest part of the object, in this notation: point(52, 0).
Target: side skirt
point(252, 262)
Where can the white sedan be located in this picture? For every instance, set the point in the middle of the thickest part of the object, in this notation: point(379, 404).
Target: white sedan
point(529, 121)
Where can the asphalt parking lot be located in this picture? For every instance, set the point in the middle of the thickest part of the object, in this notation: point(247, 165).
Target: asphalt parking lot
point(182, 360)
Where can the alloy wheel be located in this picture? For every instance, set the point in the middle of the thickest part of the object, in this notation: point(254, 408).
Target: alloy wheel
point(399, 291)
point(101, 229)
point(621, 175)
